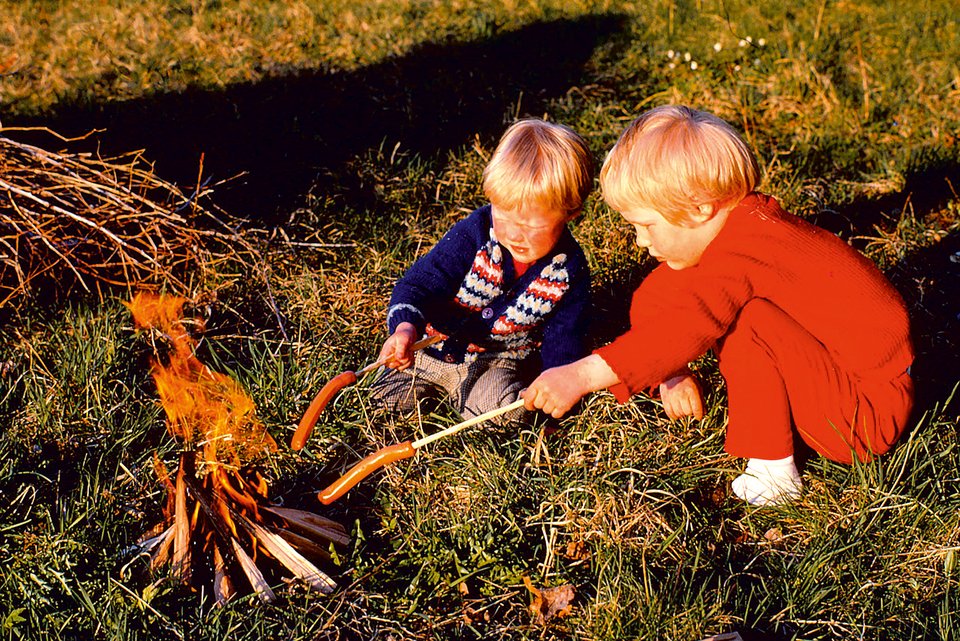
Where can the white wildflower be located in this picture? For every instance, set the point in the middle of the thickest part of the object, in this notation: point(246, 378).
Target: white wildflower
point(749, 39)
point(717, 47)
point(762, 42)
point(756, 62)
point(693, 65)
point(672, 65)
point(736, 67)
point(686, 56)
point(671, 53)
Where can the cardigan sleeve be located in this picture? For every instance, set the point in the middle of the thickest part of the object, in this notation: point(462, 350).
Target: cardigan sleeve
point(435, 277)
point(564, 334)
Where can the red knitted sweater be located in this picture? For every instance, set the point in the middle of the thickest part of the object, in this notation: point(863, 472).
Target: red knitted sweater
point(830, 289)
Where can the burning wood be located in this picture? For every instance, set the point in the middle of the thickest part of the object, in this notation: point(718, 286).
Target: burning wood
point(218, 521)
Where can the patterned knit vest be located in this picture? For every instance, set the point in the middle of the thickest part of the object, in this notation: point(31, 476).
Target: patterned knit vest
point(513, 330)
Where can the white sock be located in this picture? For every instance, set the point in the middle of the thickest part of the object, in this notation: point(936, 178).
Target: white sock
point(768, 482)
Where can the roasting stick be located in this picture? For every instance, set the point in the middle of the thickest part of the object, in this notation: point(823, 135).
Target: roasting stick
point(400, 451)
point(333, 386)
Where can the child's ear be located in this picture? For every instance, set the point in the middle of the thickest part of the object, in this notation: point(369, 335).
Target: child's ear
point(703, 213)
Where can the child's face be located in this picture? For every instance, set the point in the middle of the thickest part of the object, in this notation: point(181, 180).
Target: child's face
point(678, 247)
point(530, 232)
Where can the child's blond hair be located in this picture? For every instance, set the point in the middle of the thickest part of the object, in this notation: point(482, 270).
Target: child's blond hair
point(678, 161)
point(539, 163)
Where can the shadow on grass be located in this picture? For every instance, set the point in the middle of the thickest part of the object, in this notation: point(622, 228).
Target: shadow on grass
point(285, 130)
point(930, 283)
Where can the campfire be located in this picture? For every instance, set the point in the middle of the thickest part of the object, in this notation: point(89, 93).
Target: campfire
point(218, 522)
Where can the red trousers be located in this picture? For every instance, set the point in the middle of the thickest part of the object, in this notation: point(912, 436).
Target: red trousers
point(780, 379)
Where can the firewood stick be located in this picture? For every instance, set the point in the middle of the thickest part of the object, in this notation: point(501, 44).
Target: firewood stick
point(222, 586)
point(289, 557)
point(311, 525)
point(162, 553)
point(181, 548)
point(253, 574)
point(304, 545)
point(407, 449)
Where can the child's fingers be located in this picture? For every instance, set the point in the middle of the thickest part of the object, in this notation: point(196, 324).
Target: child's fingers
point(538, 399)
point(533, 398)
point(404, 355)
point(668, 408)
point(686, 406)
point(681, 397)
point(528, 397)
point(678, 410)
point(386, 353)
point(697, 407)
point(393, 355)
point(676, 406)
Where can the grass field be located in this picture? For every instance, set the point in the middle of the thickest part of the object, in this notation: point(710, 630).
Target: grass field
point(362, 129)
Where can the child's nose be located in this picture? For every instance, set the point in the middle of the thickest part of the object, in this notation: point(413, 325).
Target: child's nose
point(515, 234)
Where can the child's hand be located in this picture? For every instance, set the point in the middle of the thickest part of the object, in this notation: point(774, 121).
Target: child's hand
point(558, 389)
point(397, 350)
point(555, 391)
point(681, 397)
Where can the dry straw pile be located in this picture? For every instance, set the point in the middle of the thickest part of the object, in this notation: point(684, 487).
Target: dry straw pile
point(72, 220)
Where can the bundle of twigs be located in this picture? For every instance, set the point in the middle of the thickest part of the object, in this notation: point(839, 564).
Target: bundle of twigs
point(70, 220)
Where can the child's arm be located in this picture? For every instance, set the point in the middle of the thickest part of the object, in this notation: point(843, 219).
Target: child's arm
point(681, 396)
point(428, 286)
point(558, 389)
point(565, 330)
point(397, 350)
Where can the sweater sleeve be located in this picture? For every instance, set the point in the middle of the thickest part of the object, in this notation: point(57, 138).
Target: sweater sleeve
point(675, 317)
point(564, 334)
point(436, 276)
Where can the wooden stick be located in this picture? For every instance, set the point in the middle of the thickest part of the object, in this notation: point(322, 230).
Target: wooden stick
point(470, 422)
point(386, 455)
point(181, 547)
point(420, 344)
point(253, 574)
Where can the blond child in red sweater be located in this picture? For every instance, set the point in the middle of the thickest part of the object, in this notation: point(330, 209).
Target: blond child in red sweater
point(811, 338)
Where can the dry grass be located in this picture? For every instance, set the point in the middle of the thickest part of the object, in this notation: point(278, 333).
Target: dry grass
point(77, 220)
point(853, 109)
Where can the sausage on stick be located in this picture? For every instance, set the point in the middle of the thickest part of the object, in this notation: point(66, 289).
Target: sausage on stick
point(400, 451)
point(333, 386)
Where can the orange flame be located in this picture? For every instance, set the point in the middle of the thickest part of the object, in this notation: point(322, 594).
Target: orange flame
point(205, 409)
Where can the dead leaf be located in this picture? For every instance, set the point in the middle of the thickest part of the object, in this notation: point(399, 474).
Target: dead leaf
point(774, 535)
point(718, 496)
point(471, 615)
point(550, 602)
point(576, 551)
point(7, 64)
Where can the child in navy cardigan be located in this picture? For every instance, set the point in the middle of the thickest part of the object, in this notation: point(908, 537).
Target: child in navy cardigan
point(506, 289)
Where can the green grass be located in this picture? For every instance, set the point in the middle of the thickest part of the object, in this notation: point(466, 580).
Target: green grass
point(854, 110)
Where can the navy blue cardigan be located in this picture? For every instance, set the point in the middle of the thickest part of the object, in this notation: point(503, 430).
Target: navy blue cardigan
point(465, 289)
